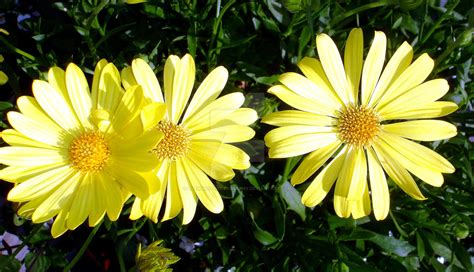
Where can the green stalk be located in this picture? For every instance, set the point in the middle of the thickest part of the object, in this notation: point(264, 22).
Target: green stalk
point(358, 10)
point(83, 248)
point(26, 240)
point(17, 50)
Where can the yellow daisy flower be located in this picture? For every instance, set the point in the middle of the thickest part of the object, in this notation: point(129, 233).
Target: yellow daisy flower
point(353, 113)
point(197, 132)
point(67, 159)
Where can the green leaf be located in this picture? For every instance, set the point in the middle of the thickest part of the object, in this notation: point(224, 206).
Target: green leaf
point(263, 236)
point(293, 199)
point(9, 264)
point(5, 105)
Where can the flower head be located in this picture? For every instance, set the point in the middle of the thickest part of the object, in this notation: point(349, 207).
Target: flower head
point(354, 112)
point(198, 130)
point(74, 154)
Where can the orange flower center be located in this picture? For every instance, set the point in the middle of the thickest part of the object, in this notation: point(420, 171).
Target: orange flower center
point(358, 125)
point(89, 152)
point(175, 142)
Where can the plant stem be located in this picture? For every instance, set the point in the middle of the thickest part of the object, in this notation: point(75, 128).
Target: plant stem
point(26, 240)
point(17, 50)
point(358, 10)
point(83, 248)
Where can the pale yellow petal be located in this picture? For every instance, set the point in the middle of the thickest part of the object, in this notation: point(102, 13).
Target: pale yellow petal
point(225, 154)
point(283, 133)
point(226, 134)
point(40, 184)
point(378, 187)
point(186, 191)
point(314, 71)
point(54, 104)
point(172, 62)
point(361, 208)
point(22, 173)
point(214, 112)
point(353, 58)
point(418, 153)
point(204, 158)
point(295, 117)
point(128, 178)
point(82, 203)
point(414, 75)
point(422, 130)
point(152, 114)
point(400, 60)
point(428, 110)
point(204, 188)
point(15, 138)
point(301, 103)
point(333, 67)
point(145, 76)
point(427, 92)
point(57, 79)
point(129, 108)
point(174, 204)
point(313, 161)
point(136, 211)
point(37, 131)
point(99, 206)
point(109, 93)
point(30, 156)
point(398, 174)
point(30, 107)
point(59, 226)
point(128, 80)
point(79, 94)
point(321, 185)
point(95, 82)
point(306, 88)
point(208, 91)
point(183, 82)
point(301, 144)
point(242, 116)
point(58, 200)
point(113, 198)
point(373, 66)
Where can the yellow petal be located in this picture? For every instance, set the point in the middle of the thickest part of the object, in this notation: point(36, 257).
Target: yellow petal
point(295, 117)
point(59, 226)
point(30, 156)
point(186, 191)
point(373, 66)
point(174, 203)
point(321, 185)
point(128, 80)
point(208, 91)
point(398, 173)
point(378, 187)
point(128, 178)
point(301, 103)
point(422, 130)
point(353, 58)
point(37, 131)
point(183, 83)
point(427, 92)
point(306, 88)
point(40, 185)
point(214, 112)
point(313, 161)
point(95, 81)
point(55, 105)
point(136, 211)
point(15, 138)
point(225, 154)
point(109, 93)
point(226, 134)
point(333, 67)
point(172, 62)
point(428, 110)
point(204, 158)
point(395, 67)
point(152, 114)
point(145, 76)
point(99, 202)
point(152, 205)
point(242, 116)
point(301, 144)
point(418, 154)
point(30, 107)
point(79, 94)
point(205, 190)
point(113, 198)
point(361, 208)
point(283, 133)
point(22, 173)
point(414, 75)
point(128, 109)
point(81, 205)
point(314, 71)
point(58, 200)
point(57, 79)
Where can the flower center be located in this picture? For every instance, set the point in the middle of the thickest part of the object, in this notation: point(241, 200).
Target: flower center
point(175, 142)
point(89, 152)
point(358, 125)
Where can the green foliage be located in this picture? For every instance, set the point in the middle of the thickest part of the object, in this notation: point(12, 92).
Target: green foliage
point(264, 225)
